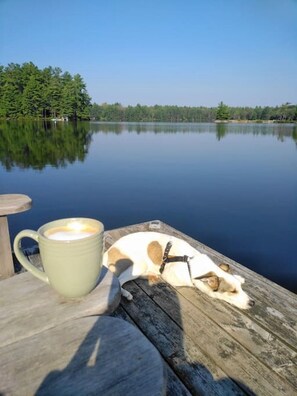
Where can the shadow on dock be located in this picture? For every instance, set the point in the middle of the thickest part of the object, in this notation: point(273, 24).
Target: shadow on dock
point(189, 371)
point(114, 358)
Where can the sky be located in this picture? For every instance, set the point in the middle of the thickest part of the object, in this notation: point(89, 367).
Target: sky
point(166, 52)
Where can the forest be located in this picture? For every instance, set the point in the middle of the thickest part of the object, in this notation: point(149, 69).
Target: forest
point(116, 112)
point(29, 92)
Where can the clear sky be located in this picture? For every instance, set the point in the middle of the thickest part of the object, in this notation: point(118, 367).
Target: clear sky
point(176, 52)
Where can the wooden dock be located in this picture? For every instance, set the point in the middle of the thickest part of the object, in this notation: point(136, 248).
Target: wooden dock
point(210, 347)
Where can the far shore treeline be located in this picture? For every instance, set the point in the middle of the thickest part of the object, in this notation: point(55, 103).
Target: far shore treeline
point(29, 92)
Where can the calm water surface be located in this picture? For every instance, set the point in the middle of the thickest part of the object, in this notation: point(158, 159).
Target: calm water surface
point(232, 187)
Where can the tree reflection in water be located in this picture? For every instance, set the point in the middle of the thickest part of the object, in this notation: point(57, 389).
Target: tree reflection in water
point(38, 144)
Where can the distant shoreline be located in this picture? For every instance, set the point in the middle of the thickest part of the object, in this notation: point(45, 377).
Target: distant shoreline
point(24, 119)
point(253, 122)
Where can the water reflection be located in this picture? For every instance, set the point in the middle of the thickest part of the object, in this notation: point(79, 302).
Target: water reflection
point(220, 129)
point(37, 144)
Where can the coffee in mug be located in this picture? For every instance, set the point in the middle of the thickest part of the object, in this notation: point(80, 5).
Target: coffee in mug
point(71, 252)
point(69, 233)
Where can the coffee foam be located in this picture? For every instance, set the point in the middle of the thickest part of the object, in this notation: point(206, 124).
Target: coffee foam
point(69, 233)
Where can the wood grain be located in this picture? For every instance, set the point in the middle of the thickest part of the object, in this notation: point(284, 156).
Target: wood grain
point(29, 306)
point(14, 203)
point(6, 262)
point(94, 355)
point(9, 204)
point(211, 346)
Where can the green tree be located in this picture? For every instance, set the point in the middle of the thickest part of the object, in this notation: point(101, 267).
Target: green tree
point(75, 99)
point(54, 91)
point(82, 99)
point(33, 97)
point(11, 88)
point(222, 112)
point(266, 113)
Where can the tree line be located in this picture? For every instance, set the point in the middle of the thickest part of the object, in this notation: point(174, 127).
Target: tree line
point(116, 112)
point(27, 91)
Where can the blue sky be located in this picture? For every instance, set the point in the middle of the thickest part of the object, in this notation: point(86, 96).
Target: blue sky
point(190, 52)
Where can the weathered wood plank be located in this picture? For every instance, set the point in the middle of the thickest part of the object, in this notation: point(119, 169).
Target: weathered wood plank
point(270, 311)
point(197, 371)
point(235, 343)
point(175, 387)
point(29, 306)
point(263, 344)
point(95, 355)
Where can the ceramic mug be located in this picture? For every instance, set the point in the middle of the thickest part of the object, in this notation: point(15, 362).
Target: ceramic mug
point(71, 252)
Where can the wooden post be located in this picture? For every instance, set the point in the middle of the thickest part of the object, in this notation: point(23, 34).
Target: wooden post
point(9, 204)
point(6, 267)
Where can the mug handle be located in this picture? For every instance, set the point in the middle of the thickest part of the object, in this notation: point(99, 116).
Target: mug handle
point(23, 259)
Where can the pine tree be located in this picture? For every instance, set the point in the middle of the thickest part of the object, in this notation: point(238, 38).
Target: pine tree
point(223, 113)
point(33, 97)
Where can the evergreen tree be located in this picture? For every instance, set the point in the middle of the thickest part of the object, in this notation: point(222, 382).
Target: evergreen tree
point(223, 113)
point(82, 100)
point(33, 97)
point(75, 99)
point(11, 91)
point(53, 91)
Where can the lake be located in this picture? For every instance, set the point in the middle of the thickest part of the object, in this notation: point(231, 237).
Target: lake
point(230, 186)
